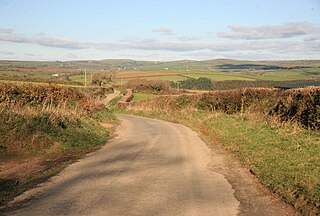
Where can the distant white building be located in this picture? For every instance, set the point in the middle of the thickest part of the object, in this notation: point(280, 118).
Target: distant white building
point(165, 68)
point(55, 75)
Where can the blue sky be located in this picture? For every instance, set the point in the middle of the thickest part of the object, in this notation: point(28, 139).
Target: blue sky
point(159, 29)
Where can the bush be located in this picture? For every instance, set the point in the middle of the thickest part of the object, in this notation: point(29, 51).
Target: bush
point(39, 94)
point(301, 105)
point(148, 86)
point(199, 84)
point(236, 84)
point(33, 117)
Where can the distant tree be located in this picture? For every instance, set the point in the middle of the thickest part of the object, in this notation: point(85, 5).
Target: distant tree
point(201, 83)
point(154, 86)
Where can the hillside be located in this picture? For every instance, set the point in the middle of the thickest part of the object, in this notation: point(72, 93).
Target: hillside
point(129, 64)
point(224, 73)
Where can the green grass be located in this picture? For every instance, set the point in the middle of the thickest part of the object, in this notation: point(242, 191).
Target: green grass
point(169, 78)
point(218, 76)
point(282, 75)
point(44, 75)
point(143, 96)
point(78, 78)
point(285, 159)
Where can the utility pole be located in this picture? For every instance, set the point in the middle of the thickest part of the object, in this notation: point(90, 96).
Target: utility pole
point(85, 77)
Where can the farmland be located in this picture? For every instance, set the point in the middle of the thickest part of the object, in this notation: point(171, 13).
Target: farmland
point(121, 71)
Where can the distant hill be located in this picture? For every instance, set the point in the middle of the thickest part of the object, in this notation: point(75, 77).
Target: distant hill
point(129, 64)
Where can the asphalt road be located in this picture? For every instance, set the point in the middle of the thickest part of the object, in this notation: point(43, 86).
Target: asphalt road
point(151, 168)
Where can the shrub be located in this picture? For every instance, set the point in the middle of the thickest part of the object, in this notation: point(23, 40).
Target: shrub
point(149, 86)
point(39, 94)
point(199, 84)
point(301, 105)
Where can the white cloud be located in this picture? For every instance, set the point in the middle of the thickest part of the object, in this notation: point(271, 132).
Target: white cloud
point(42, 39)
point(68, 43)
point(184, 38)
point(288, 30)
point(163, 31)
point(306, 46)
point(6, 30)
point(7, 53)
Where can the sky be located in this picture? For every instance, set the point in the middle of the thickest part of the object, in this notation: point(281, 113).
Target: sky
point(159, 30)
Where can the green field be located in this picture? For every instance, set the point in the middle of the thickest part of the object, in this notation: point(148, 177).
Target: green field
point(216, 70)
point(45, 75)
point(167, 78)
point(143, 96)
point(218, 76)
point(292, 74)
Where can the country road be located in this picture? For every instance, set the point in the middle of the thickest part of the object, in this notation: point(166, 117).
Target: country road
point(151, 167)
point(115, 94)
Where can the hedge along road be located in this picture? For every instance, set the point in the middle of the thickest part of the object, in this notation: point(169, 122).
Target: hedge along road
point(151, 167)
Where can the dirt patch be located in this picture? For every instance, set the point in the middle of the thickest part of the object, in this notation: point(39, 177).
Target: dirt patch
point(14, 174)
point(19, 174)
point(18, 168)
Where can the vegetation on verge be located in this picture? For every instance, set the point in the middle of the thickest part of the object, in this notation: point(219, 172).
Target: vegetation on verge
point(49, 125)
point(272, 132)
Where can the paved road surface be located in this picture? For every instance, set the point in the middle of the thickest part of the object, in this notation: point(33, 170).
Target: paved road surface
point(151, 168)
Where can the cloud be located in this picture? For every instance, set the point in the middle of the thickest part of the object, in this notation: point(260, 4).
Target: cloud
point(9, 35)
point(6, 53)
point(6, 30)
point(183, 38)
point(312, 38)
point(42, 39)
point(151, 44)
point(288, 30)
point(302, 46)
point(163, 31)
